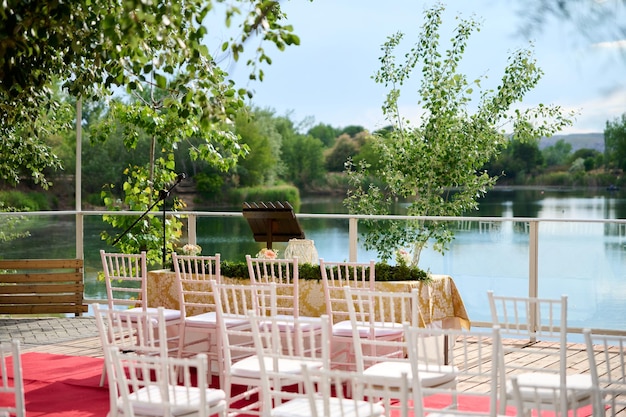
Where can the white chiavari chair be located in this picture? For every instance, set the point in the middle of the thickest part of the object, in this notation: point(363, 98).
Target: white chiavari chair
point(138, 331)
point(378, 320)
point(607, 365)
point(335, 276)
point(282, 345)
point(284, 274)
point(531, 399)
point(343, 393)
point(163, 386)
point(238, 361)
point(475, 370)
point(126, 277)
point(526, 357)
point(14, 389)
point(198, 327)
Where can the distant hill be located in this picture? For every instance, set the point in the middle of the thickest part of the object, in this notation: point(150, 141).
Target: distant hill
point(577, 140)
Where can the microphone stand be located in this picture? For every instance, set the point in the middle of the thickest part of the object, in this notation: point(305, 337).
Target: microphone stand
point(163, 194)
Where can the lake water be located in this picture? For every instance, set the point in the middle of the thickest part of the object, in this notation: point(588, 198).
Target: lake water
point(586, 261)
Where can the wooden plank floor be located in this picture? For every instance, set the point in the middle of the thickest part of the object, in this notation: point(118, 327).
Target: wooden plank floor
point(91, 346)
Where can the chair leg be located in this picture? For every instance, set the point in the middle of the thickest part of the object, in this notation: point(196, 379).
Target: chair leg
point(104, 374)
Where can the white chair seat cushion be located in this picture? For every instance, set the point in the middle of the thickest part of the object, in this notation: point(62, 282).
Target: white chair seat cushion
point(578, 384)
point(430, 375)
point(148, 401)
point(202, 320)
point(288, 323)
point(249, 367)
point(168, 313)
point(210, 320)
point(131, 310)
point(344, 329)
point(300, 407)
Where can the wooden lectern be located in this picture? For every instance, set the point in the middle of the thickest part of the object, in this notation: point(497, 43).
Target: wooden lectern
point(272, 222)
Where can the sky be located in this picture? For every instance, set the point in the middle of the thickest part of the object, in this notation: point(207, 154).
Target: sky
point(328, 77)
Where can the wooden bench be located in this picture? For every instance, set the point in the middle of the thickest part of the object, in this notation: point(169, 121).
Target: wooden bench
point(42, 286)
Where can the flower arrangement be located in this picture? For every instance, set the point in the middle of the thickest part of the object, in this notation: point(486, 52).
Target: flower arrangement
point(403, 257)
point(191, 250)
point(266, 253)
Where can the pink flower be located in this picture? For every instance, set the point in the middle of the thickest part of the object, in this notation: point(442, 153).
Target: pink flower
point(266, 253)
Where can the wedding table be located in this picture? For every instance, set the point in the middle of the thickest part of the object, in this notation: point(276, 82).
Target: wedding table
point(440, 302)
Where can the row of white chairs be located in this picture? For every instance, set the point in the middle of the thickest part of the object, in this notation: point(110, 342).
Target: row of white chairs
point(150, 338)
point(356, 321)
point(271, 370)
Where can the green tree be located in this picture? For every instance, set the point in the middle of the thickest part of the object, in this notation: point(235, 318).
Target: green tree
point(528, 156)
point(345, 148)
point(26, 150)
point(262, 165)
point(352, 130)
point(304, 159)
point(615, 143)
point(178, 93)
point(557, 154)
point(436, 165)
point(96, 48)
point(326, 133)
point(591, 157)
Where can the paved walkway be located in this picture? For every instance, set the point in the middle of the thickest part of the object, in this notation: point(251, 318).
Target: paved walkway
point(47, 330)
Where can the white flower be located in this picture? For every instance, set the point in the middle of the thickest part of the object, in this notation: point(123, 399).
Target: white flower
point(191, 250)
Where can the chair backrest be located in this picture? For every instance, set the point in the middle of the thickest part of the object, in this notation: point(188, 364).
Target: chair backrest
point(377, 320)
point(335, 276)
point(530, 318)
point(139, 331)
point(234, 302)
point(476, 358)
point(125, 278)
point(607, 365)
point(14, 389)
point(531, 399)
point(283, 273)
point(165, 386)
point(132, 331)
point(532, 322)
point(193, 277)
point(334, 392)
point(282, 344)
point(305, 339)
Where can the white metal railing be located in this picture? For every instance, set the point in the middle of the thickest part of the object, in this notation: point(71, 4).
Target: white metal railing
point(531, 226)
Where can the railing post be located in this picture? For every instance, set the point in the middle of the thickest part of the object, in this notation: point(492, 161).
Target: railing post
point(191, 228)
point(80, 235)
point(353, 236)
point(533, 270)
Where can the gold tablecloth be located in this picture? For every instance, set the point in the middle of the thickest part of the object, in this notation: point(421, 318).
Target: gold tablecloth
point(440, 301)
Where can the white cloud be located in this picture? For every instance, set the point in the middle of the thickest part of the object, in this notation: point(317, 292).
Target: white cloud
point(621, 44)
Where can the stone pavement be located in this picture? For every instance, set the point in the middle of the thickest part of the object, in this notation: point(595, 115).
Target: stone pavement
point(47, 330)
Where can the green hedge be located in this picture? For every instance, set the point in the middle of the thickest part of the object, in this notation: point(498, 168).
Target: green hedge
point(384, 272)
point(32, 201)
